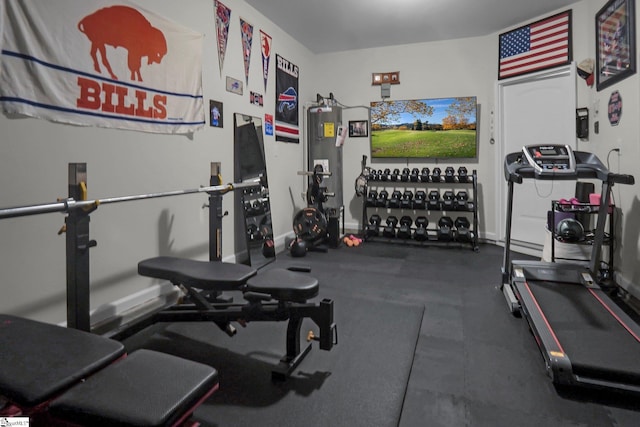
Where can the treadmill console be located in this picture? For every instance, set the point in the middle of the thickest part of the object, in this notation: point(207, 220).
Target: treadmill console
point(550, 159)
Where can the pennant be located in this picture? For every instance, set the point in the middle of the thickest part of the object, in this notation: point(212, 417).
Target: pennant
point(265, 46)
point(66, 69)
point(223, 17)
point(286, 116)
point(246, 30)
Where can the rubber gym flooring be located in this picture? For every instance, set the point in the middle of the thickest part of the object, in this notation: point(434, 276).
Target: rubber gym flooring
point(426, 339)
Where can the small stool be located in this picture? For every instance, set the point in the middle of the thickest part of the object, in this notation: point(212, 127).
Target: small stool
point(147, 388)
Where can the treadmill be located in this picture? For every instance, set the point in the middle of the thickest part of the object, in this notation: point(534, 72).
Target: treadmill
point(585, 338)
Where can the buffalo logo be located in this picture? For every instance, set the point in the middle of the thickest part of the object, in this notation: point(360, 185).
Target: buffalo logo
point(122, 26)
point(288, 99)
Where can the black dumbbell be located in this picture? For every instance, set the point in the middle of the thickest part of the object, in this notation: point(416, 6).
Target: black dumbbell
point(419, 200)
point(407, 198)
point(379, 175)
point(449, 174)
point(434, 203)
point(405, 175)
point(463, 233)
point(436, 175)
point(415, 175)
point(445, 229)
point(462, 174)
point(404, 232)
point(372, 197)
point(390, 228)
point(424, 175)
point(385, 174)
point(257, 207)
point(395, 175)
point(447, 200)
point(421, 229)
point(462, 197)
point(373, 175)
point(252, 232)
point(373, 228)
point(394, 202)
point(381, 202)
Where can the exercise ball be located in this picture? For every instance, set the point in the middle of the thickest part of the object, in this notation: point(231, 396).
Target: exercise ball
point(570, 230)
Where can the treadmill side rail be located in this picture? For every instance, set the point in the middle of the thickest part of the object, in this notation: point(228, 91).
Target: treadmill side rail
point(556, 360)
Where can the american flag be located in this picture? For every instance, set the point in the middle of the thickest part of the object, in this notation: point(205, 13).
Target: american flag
point(543, 44)
point(613, 42)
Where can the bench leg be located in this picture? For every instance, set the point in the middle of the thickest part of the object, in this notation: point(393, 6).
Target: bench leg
point(294, 356)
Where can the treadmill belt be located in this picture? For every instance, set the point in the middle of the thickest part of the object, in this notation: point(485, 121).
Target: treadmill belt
point(597, 345)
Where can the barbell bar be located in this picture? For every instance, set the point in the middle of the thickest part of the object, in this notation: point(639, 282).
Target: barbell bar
point(70, 204)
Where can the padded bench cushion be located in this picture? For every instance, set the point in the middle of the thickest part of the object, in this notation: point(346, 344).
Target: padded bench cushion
point(206, 275)
point(39, 360)
point(147, 388)
point(284, 285)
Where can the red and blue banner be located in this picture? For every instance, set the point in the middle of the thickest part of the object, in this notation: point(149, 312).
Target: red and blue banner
point(100, 63)
point(286, 116)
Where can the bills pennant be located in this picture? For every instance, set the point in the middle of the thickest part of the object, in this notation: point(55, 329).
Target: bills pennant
point(265, 47)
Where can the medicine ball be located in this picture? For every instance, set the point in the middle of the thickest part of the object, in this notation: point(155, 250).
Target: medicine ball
point(570, 230)
point(298, 248)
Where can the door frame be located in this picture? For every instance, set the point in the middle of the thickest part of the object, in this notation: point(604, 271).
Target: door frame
point(567, 71)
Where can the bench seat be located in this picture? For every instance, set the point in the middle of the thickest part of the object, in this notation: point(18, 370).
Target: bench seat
point(205, 275)
point(147, 388)
point(39, 360)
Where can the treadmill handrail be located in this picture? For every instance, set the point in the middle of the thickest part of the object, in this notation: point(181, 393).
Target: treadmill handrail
point(517, 168)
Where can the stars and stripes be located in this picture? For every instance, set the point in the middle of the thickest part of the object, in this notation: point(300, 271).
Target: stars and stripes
point(543, 44)
point(613, 43)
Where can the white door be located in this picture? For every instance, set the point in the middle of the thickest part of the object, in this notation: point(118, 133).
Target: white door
point(535, 109)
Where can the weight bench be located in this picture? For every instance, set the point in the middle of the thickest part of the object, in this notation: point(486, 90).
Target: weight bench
point(274, 295)
point(61, 376)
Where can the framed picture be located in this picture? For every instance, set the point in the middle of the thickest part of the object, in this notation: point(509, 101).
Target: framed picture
point(535, 47)
point(615, 42)
point(382, 78)
point(358, 128)
point(215, 114)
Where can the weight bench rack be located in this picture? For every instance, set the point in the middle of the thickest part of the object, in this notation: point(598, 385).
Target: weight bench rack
point(62, 376)
point(274, 295)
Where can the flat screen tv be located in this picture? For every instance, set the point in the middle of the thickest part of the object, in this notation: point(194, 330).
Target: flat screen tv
point(432, 128)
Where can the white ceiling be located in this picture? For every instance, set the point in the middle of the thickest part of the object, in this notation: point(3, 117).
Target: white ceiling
point(325, 26)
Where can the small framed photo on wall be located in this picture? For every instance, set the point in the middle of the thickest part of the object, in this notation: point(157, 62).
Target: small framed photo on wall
point(358, 128)
point(215, 114)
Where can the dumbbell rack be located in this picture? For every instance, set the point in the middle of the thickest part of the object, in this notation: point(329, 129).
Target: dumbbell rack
point(433, 211)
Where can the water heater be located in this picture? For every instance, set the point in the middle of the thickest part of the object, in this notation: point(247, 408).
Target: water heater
point(324, 136)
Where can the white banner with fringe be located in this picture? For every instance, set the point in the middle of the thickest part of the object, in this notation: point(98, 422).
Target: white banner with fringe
point(100, 63)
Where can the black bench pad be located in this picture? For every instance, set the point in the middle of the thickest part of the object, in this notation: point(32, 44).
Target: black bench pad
point(39, 360)
point(147, 388)
point(284, 285)
point(205, 275)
